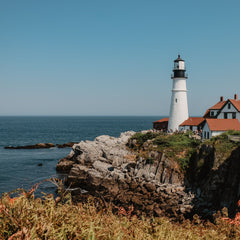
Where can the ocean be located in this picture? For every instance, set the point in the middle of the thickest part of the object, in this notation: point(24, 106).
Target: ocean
point(19, 168)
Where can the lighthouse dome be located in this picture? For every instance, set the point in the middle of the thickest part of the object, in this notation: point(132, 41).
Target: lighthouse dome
point(178, 59)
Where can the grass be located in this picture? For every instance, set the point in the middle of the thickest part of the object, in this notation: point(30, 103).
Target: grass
point(26, 217)
point(223, 146)
point(178, 146)
point(181, 146)
point(143, 137)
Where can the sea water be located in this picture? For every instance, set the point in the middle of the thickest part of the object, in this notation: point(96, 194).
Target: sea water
point(19, 167)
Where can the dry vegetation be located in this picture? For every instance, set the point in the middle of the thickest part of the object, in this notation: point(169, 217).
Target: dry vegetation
point(26, 217)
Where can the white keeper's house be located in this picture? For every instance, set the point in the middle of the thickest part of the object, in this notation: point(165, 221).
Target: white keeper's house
point(221, 117)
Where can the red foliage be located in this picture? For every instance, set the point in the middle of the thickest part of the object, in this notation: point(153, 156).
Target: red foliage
point(236, 220)
point(123, 212)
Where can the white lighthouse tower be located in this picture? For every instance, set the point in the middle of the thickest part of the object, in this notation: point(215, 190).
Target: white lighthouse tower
point(179, 105)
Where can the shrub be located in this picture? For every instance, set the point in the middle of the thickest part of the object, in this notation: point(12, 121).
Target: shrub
point(233, 132)
point(143, 137)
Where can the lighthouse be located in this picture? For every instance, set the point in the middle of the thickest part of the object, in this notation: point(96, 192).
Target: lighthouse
point(179, 106)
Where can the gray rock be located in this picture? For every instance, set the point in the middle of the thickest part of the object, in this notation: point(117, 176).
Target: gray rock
point(101, 166)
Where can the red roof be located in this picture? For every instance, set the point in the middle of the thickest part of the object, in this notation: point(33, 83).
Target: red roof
point(206, 114)
point(235, 103)
point(218, 105)
point(162, 120)
point(192, 121)
point(223, 124)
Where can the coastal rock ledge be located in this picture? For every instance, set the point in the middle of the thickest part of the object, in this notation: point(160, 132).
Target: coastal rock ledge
point(108, 170)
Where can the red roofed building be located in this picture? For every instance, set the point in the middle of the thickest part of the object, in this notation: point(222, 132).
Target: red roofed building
point(221, 117)
point(161, 124)
point(214, 127)
point(229, 109)
point(192, 123)
point(214, 110)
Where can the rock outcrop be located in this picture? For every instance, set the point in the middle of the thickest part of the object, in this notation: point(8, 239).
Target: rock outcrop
point(42, 145)
point(154, 183)
point(106, 168)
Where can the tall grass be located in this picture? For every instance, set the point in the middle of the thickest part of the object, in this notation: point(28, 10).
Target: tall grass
point(26, 217)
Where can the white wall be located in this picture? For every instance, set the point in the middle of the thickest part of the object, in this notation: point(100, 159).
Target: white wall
point(182, 128)
point(229, 112)
point(211, 133)
point(232, 108)
point(238, 116)
point(221, 116)
point(179, 84)
point(215, 133)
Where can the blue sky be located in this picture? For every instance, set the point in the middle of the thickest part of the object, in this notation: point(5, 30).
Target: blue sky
point(92, 57)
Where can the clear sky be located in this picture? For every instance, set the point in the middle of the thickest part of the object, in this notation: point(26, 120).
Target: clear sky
point(107, 57)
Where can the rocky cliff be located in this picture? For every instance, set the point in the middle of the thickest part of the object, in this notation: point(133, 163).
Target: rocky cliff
point(153, 178)
point(106, 167)
point(215, 178)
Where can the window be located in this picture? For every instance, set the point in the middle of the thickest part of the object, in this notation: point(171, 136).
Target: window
point(233, 115)
point(204, 134)
point(176, 100)
point(229, 105)
point(212, 113)
point(207, 135)
point(225, 115)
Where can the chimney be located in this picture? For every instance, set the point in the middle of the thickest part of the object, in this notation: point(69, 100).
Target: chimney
point(221, 98)
point(235, 96)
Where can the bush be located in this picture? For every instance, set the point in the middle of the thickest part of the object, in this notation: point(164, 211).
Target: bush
point(143, 137)
point(223, 145)
point(177, 140)
point(233, 132)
